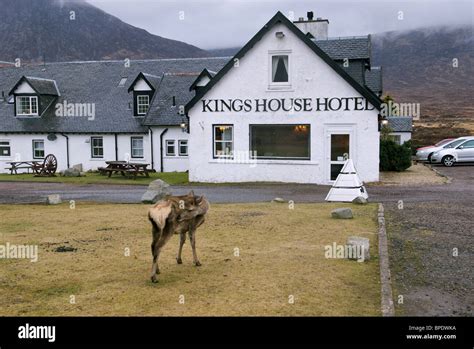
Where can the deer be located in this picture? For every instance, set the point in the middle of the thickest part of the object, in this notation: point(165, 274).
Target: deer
point(176, 215)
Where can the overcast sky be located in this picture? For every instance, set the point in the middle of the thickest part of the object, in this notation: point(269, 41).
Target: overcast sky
point(228, 23)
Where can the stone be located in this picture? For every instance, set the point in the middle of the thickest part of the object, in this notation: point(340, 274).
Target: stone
point(54, 199)
point(360, 200)
point(362, 246)
point(78, 167)
point(342, 213)
point(71, 172)
point(157, 190)
point(279, 200)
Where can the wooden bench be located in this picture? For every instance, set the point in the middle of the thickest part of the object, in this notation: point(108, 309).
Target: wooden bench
point(13, 169)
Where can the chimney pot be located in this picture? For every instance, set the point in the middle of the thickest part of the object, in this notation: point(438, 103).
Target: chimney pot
point(310, 15)
point(301, 19)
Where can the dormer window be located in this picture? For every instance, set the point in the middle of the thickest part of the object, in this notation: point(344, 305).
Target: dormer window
point(27, 105)
point(32, 96)
point(143, 88)
point(143, 103)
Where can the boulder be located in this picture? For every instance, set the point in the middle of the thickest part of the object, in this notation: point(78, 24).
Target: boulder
point(71, 172)
point(360, 200)
point(54, 199)
point(279, 200)
point(342, 213)
point(362, 246)
point(157, 190)
point(78, 167)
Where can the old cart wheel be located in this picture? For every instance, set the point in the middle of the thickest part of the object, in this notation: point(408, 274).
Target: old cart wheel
point(50, 165)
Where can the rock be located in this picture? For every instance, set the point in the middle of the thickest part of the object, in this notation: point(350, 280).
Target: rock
point(360, 200)
point(157, 190)
point(279, 200)
point(362, 248)
point(71, 172)
point(78, 167)
point(54, 199)
point(342, 213)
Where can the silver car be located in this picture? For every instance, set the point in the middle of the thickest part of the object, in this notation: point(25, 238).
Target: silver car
point(462, 150)
point(424, 153)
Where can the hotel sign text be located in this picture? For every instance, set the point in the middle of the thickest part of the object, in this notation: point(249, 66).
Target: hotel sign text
point(286, 104)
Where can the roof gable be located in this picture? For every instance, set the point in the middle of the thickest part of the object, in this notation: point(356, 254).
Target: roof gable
point(45, 87)
point(152, 80)
point(204, 74)
point(281, 18)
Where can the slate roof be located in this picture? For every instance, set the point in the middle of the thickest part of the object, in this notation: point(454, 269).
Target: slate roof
point(400, 123)
point(162, 111)
point(350, 48)
point(93, 82)
point(373, 79)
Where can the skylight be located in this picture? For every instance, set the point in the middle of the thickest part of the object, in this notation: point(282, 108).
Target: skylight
point(122, 82)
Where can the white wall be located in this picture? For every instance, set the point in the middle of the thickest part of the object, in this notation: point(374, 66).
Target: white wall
point(170, 163)
point(80, 150)
point(311, 77)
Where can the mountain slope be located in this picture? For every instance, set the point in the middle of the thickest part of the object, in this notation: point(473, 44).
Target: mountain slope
point(33, 29)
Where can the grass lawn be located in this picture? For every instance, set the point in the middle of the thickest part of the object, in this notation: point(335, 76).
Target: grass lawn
point(172, 178)
point(280, 255)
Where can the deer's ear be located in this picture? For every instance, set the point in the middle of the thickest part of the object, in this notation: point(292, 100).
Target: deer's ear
point(191, 193)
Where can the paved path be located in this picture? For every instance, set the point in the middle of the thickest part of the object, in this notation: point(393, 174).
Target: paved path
point(461, 189)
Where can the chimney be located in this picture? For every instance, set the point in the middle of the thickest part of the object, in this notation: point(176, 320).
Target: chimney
point(318, 28)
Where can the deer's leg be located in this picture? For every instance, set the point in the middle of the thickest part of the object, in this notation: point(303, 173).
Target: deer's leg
point(154, 251)
point(192, 238)
point(182, 240)
point(164, 237)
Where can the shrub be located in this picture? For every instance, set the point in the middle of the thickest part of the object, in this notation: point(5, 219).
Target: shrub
point(394, 157)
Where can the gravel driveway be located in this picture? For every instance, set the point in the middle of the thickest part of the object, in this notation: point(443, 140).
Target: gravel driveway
point(435, 220)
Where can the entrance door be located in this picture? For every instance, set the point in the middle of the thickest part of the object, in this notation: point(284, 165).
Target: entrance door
point(340, 152)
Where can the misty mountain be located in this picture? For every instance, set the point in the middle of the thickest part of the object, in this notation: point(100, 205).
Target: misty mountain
point(65, 31)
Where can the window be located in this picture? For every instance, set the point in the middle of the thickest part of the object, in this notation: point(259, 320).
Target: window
point(280, 69)
point(5, 149)
point(137, 147)
point(223, 141)
point(454, 144)
point(468, 144)
point(38, 148)
point(97, 147)
point(183, 147)
point(280, 141)
point(27, 105)
point(170, 151)
point(143, 102)
point(396, 138)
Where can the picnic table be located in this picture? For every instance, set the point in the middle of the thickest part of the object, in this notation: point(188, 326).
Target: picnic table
point(19, 165)
point(125, 168)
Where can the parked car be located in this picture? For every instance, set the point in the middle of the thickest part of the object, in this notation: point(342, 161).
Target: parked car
point(424, 153)
point(462, 151)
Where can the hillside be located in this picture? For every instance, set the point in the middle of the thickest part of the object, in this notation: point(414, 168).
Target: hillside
point(37, 29)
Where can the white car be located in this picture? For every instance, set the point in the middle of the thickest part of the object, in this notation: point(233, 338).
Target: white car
point(462, 151)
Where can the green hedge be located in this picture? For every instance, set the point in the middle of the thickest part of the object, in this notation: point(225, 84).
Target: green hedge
point(394, 157)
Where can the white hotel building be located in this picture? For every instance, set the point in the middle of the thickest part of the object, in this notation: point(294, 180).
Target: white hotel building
point(290, 106)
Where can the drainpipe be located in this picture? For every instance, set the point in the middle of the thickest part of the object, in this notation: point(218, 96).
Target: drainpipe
point(67, 149)
point(161, 148)
point(151, 148)
point(116, 147)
